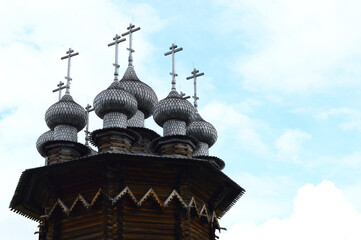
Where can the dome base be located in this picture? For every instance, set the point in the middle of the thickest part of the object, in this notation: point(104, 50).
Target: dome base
point(147, 136)
point(137, 120)
point(179, 145)
point(114, 139)
point(64, 151)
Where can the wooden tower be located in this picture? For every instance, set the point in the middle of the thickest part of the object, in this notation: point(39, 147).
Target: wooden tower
point(138, 185)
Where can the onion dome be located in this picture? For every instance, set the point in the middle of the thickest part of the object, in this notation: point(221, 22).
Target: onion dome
point(42, 140)
point(66, 112)
point(145, 95)
point(202, 130)
point(115, 105)
point(115, 99)
point(174, 106)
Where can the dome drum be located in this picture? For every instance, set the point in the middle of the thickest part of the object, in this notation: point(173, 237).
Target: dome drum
point(66, 133)
point(137, 120)
point(201, 150)
point(115, 120)
point(174, 127)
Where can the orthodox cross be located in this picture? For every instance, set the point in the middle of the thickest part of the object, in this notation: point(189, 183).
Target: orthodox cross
point(173, 49)
point(183, 95)
point(195, 74)
point(60, 87)
point(131, 29)
point(88, 109)
point(117, 39)
point(69, 55)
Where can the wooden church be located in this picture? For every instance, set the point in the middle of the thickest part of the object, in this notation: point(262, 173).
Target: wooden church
point(138, 184)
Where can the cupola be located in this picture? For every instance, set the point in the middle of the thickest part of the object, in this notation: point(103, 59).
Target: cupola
point(203, 131)
point(115, 106)
point(145, 95)
point(65, 119)
point(174, 113)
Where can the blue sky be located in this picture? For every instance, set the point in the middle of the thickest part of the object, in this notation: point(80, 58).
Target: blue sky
point(282, 87)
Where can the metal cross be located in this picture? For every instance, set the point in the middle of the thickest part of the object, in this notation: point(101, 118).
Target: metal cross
point(69, 55)
point(60, 87)
point(117, 39)
point(173, 49)
point(131, 29)
point(88, 109)
point(195, 74)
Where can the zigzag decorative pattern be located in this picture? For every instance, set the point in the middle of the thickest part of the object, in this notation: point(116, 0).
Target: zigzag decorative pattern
point(191, 206)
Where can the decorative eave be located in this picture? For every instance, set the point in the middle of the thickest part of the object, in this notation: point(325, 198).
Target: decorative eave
point(31, 179)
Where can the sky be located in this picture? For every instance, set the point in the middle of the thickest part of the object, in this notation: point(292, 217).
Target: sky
point(282, 87)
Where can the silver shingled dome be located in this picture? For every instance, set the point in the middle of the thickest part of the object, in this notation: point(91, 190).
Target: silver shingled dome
point(44, 138)
point(174, 106)
point(66, 112)
point(115, 99)
point(145, 95)
point(202, 131)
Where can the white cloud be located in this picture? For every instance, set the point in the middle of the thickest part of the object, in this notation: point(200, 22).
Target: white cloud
point(337, 165)
point(266, 197)
point(351, 118)
point(320, 212)
point(289, 144)
point(295, 46)
point(230, 123)
point(337, 111)
point(352, 193)
point(351, 125)
point(248, 105)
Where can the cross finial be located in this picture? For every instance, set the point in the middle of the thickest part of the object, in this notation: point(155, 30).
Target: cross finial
point(183, 95)
point(195, 74)
point(60, 87)
point(88, 109)
point(69, 55)
point(117, 39)
point(131, 29)
point(173, 49)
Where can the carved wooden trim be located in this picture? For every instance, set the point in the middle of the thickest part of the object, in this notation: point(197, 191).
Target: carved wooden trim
point(192, 206)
